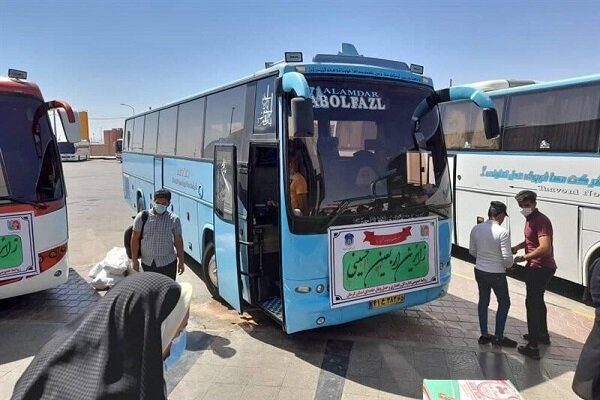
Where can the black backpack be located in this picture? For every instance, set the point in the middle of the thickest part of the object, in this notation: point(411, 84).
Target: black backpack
point(129, 233)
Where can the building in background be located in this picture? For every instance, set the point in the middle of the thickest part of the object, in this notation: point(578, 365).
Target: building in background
point(85, 127)
point(107, 148)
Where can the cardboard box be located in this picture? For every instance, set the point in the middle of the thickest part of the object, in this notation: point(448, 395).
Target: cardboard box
point(469, 390)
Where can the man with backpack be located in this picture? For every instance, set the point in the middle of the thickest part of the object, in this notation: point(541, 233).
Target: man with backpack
point(157, 234)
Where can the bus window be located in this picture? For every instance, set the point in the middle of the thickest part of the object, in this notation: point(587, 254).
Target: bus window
point(49, 184)
point(119, 150)
point(225, 119)
point(150, 133)
point(128, 133)
point(559, 120)
point(463, 126)
point(138, 134)
point(190, 128)
point(167, 126)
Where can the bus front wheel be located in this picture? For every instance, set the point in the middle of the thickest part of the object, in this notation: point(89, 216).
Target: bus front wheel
point(209, 270)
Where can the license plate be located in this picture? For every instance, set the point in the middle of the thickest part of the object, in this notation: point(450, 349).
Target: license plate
point(387, 301)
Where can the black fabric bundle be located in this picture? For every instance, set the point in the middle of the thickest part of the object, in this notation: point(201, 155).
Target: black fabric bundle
point(114, 352)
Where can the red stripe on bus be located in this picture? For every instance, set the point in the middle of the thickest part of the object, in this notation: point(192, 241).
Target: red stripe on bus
point(51, 206)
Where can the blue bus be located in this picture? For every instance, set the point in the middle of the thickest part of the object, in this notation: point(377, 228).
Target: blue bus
point(549, 143)
point(317, 191)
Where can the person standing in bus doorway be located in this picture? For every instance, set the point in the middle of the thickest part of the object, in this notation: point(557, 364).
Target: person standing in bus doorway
point(490, 245)
point(586, 382)
point(539, 256)
point(160, 238)
point(298, 189)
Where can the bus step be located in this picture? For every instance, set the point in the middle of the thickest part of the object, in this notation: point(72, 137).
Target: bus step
point(273, 305)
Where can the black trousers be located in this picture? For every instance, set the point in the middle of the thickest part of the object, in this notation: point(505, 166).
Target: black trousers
point(169, 270)
point(536, 282)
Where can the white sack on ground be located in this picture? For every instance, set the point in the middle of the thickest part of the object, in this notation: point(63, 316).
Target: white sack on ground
point(111, 270)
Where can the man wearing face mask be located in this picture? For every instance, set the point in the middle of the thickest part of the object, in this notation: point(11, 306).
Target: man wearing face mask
point(541, 266)
point(158, 239)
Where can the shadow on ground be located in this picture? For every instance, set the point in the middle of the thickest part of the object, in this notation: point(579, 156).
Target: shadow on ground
point(394, 352)
point(28, 322)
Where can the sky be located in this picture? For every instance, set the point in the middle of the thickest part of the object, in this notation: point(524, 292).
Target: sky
point(99, 54)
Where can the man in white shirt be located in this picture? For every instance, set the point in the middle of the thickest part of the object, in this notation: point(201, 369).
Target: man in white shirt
point(490, 245)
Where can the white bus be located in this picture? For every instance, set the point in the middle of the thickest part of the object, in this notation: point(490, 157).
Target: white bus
point(549, 143)
point(79, 151)
point(33, 207)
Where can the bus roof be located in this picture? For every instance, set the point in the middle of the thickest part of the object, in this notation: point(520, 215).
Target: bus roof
point(8, 85)
point(547, 85)
point(497, 84)
point(346, 62)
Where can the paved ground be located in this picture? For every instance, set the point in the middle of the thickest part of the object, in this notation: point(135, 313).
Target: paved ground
point(248, 357)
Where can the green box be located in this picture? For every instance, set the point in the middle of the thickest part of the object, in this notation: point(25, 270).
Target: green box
point(434, 389)
point(11, 251)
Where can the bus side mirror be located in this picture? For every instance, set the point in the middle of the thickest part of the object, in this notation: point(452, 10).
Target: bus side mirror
point(301, 124)
point(490, 123)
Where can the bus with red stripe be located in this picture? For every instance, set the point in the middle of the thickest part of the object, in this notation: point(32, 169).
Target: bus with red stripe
point(33, 209)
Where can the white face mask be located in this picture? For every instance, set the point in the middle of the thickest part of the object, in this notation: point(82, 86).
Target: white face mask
point(526, 211)
point(160, 208)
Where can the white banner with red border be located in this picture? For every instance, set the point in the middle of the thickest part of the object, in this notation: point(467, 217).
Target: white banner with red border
point(373, 261)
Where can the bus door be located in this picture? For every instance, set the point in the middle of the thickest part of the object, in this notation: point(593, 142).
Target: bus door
point(225, 222)
point(452, 171)
point(158, 173)
point(264, 249)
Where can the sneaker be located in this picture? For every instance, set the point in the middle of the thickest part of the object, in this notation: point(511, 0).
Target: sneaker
point(485, 339)
point(545, 339)
point(504, 342)
point(529, 351)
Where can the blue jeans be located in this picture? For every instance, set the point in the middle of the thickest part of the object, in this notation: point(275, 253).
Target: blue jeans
point(487, 282)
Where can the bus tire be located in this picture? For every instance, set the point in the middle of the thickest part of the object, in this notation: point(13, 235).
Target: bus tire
point(140, 204)
point(209, 271)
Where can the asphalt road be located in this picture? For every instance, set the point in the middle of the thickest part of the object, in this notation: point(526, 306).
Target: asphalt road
point(98, 214)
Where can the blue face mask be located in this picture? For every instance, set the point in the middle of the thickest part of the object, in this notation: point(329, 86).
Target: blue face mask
point(160, 208)
point(177, 348)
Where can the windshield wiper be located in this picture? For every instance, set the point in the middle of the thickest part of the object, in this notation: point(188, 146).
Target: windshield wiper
point(345, 204)
point(23, 201)
point(431, 208)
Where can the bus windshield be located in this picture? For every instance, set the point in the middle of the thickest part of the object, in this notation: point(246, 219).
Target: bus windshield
point(66, 148)
point(29, 161)
point(363, 159)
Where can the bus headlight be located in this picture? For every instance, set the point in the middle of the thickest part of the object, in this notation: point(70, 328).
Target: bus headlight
point(302, 289)
point(320, 288)
point(320, 320)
